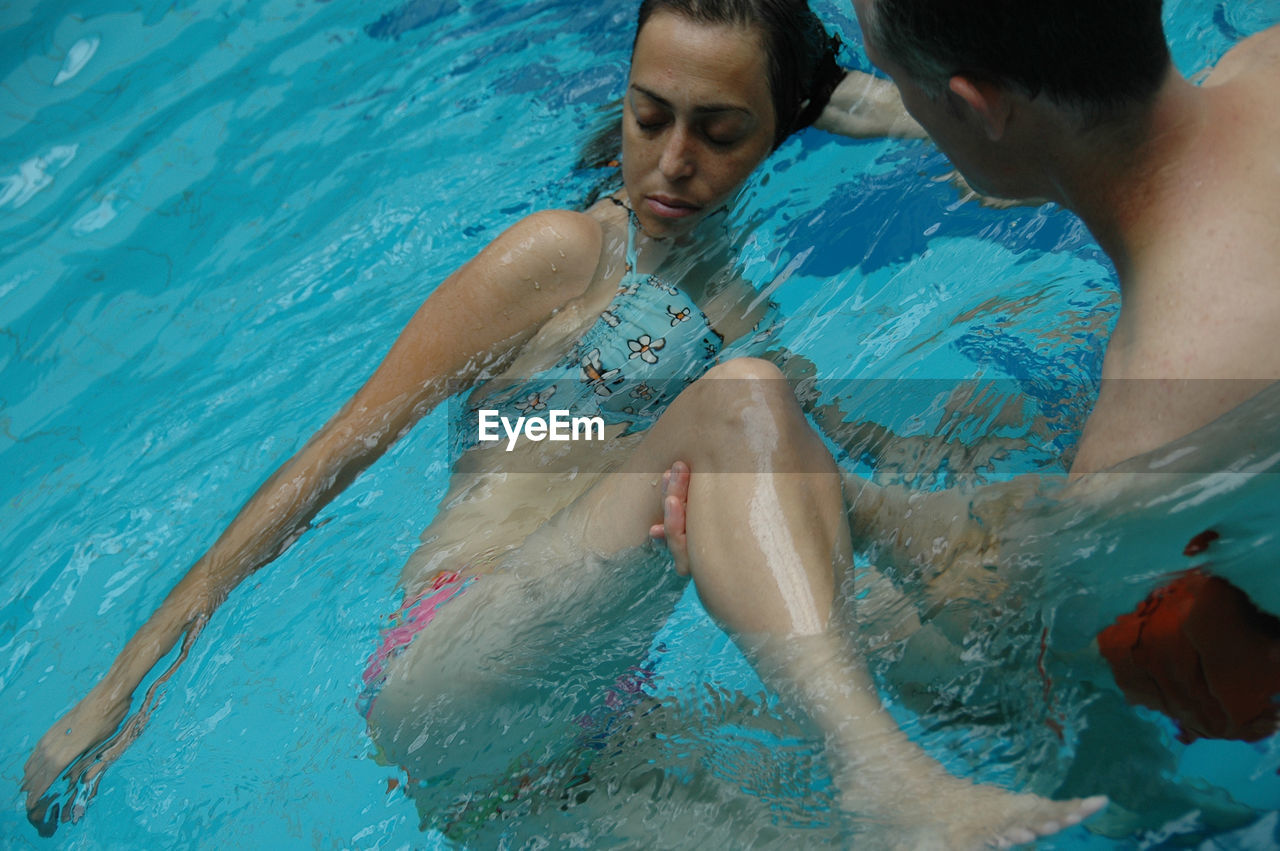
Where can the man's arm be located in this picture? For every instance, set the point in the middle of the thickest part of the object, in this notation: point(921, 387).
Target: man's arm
point(906, 456)
point(915, 531)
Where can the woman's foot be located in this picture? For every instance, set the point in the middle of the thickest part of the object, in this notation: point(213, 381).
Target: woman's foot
point(996, 818)
point(953, 814)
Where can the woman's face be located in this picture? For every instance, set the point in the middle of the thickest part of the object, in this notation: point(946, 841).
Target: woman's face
point(697, 119)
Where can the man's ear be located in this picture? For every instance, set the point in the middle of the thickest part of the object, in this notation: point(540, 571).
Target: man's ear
point(988, 102)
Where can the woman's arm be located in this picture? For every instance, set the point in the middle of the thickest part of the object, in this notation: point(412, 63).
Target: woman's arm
point(477, 318)
point(867, 107)
point(863, 107)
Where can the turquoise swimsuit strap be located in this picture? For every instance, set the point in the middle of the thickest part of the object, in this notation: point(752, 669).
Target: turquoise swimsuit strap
point(633, 224)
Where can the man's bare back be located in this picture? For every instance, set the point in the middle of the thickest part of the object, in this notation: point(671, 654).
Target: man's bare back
point(1199, 277)
point(1179, 184)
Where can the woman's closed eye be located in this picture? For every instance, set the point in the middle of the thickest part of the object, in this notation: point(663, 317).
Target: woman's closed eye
point(648, 113)
point(722, 132)
point(651, 121)
point(725, 131)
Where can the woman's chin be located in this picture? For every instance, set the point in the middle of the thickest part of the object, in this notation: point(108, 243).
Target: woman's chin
point(665, 227)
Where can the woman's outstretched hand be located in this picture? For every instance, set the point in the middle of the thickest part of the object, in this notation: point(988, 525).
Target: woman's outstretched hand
point(80, 745)
point(675, 499)
point(85, 741)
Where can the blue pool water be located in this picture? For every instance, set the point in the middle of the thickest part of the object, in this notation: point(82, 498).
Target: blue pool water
point(215, 218)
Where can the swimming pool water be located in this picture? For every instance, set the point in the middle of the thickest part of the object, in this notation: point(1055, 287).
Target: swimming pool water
point(215, 218)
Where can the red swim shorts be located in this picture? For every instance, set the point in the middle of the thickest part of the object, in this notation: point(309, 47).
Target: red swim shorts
point(1200, 651)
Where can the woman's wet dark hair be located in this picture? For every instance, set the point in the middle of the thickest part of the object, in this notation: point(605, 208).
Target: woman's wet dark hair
point(803, 71)
point(802, 55)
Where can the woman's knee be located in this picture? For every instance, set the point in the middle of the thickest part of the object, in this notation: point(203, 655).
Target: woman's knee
point(746, 369)
point(746, 408)
point(742, 387)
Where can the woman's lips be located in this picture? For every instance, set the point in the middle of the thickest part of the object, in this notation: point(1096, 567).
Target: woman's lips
point(670, 208)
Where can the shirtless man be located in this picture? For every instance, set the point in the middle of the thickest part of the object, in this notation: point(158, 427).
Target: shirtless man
point(1180, 184)
point(1077, 102)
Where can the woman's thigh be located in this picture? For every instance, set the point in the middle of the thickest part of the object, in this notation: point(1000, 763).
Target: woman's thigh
point(496, 499)
point(509, 667)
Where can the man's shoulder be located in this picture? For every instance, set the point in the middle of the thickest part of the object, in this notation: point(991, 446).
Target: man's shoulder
point(1257, 56)
point(1233, 170)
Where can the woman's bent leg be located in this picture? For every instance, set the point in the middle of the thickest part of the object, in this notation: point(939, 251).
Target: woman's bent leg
point(768, 540)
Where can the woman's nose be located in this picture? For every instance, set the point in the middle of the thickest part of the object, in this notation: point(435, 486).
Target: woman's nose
point(678, 155)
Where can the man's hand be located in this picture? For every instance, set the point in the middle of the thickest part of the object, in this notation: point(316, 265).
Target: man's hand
point(672, 530)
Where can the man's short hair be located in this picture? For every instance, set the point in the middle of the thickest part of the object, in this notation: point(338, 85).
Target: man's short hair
point(1097, 56)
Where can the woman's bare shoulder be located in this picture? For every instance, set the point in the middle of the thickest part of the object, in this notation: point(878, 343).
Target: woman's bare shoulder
point(558, 248)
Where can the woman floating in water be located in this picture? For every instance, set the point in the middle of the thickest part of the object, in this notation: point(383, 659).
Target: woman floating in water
point(528, 575)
